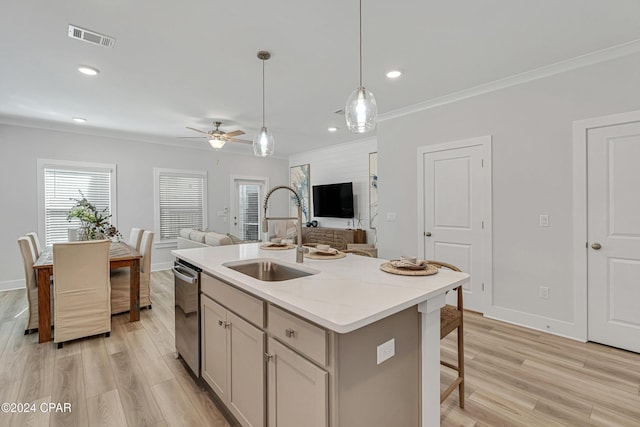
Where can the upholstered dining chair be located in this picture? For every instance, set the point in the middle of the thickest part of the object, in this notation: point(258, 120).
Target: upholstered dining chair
point(35, 242)
point(452, 319)
point(135, 238)
point(25, 245)
point(81, 290)
point(120, 279)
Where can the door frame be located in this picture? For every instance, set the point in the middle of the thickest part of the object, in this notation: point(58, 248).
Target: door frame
point(580, 279)
point(487, 201)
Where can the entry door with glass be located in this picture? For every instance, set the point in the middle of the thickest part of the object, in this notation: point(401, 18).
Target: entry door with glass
point(246, 215)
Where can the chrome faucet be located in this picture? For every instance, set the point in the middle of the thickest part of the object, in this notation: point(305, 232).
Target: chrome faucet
point(265, 221)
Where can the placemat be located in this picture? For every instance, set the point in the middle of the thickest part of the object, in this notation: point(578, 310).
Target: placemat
point(277, 248)
point(324, 255)
point(388, 268)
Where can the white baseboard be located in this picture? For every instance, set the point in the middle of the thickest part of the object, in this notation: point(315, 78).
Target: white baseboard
point(10, 285)
point(162, 266)
point(540, 323)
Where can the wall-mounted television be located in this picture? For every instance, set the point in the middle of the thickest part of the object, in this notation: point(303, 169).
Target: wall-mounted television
point(333, 200)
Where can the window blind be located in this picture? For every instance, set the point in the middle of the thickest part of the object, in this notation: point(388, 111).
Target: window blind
point(181, 203)
point(62, 187)
point(249, 215)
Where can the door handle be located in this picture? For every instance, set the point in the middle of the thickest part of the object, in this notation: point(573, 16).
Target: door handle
point(427, 234)
point(596, 246)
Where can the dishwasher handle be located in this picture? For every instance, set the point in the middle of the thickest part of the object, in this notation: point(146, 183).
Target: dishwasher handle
point(184, 275)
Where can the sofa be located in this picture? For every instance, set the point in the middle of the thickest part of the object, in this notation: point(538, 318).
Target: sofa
point(190, 238)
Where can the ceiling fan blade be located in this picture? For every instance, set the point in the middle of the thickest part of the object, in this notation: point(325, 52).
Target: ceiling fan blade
point(198, 130)
point(234, 133)
point(190, 137)
point(243, 141)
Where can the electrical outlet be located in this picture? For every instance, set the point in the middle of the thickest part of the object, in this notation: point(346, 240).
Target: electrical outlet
point(544, 292)
point(544, 220)
point(386, 350)
point(392, 216)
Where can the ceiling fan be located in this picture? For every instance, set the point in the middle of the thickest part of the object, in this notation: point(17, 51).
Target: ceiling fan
point(217, 138)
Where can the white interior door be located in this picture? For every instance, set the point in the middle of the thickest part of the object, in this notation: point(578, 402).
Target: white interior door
point(613, 230)
point(454, 193)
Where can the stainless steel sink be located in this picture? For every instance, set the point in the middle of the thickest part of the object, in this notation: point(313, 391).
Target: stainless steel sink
point(268, 270)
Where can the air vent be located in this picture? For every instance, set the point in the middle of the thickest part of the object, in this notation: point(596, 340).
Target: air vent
point(91, 36)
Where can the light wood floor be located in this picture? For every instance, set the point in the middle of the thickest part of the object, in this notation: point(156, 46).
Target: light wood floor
point(514, 376)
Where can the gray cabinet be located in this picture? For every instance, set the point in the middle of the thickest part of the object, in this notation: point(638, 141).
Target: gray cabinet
point(298, 390)
point(312, 377)
point(233, 362)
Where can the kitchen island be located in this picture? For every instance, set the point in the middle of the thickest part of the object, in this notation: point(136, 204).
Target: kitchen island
point(330, 326)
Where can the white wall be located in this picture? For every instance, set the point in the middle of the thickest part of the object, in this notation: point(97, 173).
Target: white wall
point(342, 163)
point(531, 125)
point(20, 147)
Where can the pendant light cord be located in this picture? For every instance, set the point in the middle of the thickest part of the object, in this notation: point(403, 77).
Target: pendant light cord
point(263, 93)
point(360, 11)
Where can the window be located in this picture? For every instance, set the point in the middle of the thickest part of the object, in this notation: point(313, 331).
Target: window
point(181, 202)
point(61, 183)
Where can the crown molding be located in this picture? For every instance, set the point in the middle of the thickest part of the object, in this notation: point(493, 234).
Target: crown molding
point(585, 60)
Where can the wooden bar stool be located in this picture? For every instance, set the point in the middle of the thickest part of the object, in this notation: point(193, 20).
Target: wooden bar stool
point(451, 318)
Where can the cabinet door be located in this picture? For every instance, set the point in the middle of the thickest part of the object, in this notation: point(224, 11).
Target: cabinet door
point(214, 345)
point(297, 390)
point(247, 387)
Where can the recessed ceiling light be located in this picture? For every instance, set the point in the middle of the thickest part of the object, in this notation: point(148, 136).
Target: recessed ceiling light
point(89, 71)
point(332, 129)
point(394, 74)
point(79, 119)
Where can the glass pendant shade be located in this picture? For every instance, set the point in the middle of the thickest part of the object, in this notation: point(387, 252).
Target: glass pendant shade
point(263, 143)
point(217, 143)
point(361, 111)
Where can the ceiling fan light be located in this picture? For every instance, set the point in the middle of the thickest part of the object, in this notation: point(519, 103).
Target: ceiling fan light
point(263, 143)
point(361, 111)
point(217, 143)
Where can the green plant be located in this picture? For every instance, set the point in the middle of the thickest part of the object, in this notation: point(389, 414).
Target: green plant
point(95, 224)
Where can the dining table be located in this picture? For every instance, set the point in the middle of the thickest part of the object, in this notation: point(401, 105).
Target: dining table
point(120, 255)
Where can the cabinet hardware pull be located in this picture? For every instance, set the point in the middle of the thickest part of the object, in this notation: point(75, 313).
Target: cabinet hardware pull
point(289, 333)
point(220, 322)
point(223, 323)
point(268, 356)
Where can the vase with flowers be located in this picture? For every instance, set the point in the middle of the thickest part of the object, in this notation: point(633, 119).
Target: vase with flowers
point(94, 224)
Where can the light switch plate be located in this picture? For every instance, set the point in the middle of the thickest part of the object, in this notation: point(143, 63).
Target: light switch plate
point(386, 350)
point(391, 216)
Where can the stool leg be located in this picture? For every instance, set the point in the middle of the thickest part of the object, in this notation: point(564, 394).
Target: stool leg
point(461, 365)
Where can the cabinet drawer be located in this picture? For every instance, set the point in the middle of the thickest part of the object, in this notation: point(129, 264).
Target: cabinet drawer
point(238, 301)
point(298, 333)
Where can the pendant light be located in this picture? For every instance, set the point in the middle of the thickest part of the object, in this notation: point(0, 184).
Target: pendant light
point(263, 143)
point(361, 110)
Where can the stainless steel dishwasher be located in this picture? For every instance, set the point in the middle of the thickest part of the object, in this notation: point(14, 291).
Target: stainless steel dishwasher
point(187, 317)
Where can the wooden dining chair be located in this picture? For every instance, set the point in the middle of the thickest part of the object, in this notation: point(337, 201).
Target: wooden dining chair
point(135, 238)
point(452, 319)
point(120, 279)
point(81, 290)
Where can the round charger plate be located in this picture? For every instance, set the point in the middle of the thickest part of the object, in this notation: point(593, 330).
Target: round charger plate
point(388, 268)
point(325, 255)
point(277, 247)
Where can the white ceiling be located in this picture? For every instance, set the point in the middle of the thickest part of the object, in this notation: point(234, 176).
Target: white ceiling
point(188, 63)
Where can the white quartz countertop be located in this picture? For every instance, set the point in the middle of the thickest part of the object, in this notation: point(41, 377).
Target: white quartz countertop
point(344, 295)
